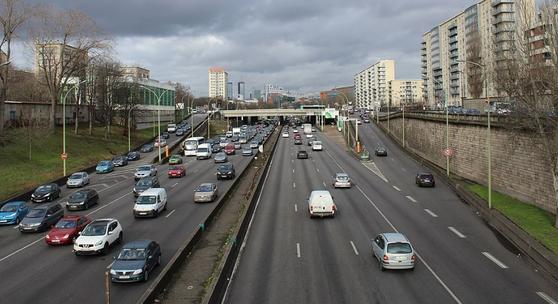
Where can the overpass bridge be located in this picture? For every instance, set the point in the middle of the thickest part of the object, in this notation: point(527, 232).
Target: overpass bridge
point(270, 113)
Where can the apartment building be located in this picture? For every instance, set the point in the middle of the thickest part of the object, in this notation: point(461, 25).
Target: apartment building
point(371, 84)
point(218, 79)
point(484, 33)
point(405, 92)
point(57, 58)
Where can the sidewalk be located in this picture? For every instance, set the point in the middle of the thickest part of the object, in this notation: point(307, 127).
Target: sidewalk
point(336, 136)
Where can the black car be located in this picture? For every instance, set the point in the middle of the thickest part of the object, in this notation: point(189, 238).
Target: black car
point(298, 141)
point(216, 148)
point(46, 193)
point(425, 180)
point(135, 261)
point(302, 154)
point(82, 199)
point(165, 135)
point(133, 155)
point(146, 148)
point(225, 171)
point(180, 132)
point(120, 160)
point(380, 151)
point(41, 218)
point(145, 183)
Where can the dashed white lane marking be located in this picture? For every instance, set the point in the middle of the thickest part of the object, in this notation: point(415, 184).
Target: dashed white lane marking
point(459, 234)
point(411, 198)
point(354, 248)
point(403, 169)
point(495, 260)
point(174, 185)
point(546, 297)
point(317, 169)
point(296, 208)
point(432, 214)
point(106, 205)
point(22, 248)
point(324, 184)
point(293, 171)
point(396, 188)
point(292, 160)
point(298, 250)
point(294, 185)
point(170, 213)
point(393, 160)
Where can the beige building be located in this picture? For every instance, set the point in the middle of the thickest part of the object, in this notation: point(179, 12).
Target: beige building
point(52, 58)
point(484, 33)
point(405, 92)
point(135, 72)
point(218, 79)
point(371, 84)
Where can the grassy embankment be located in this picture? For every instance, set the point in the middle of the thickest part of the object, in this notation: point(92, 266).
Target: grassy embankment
point(27, 161)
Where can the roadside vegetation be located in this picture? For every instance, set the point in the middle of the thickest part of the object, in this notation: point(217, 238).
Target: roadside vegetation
point(218, 127)
point(533, 220)
point(26, 162)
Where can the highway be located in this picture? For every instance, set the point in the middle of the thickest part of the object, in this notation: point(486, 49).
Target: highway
point(33, 272)
point(289, 258)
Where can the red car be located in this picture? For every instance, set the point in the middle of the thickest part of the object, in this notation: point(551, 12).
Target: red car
point(297, 136)
point(67, 229)
point(177, 171)
point(229, 149)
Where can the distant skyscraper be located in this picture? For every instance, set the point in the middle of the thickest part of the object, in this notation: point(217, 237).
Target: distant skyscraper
point(241, 90)
point(257, 94)
point(230, 91)
point(218, 79)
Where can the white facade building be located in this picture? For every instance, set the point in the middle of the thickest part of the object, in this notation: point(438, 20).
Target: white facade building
point(405, 92)
point(218, 79)
point(372, 84)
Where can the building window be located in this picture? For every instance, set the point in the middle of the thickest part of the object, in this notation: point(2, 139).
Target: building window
point(12, 115)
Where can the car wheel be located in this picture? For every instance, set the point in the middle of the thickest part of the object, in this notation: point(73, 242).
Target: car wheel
point(120, 238)
point(104, 251)
point(146, 275)
point(382, 268)
point(158, 260)
point(433, 184)
point(165, 207)
point(17, 220)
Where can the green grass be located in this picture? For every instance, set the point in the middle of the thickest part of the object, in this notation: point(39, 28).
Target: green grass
point(535, 221)
point(20, 171)
point(218, 127)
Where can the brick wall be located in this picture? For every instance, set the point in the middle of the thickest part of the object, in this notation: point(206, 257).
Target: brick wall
point(519, 167)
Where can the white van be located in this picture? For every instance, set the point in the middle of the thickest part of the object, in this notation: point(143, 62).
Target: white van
point(171, 128)
point(320, 203)
point(317, 145)
point(151, 202)
point(203, 152)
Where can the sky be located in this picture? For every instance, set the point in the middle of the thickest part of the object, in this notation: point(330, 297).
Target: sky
point(305, 46)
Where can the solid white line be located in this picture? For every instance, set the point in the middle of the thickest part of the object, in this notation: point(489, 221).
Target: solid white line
point(296, 208)
point(459, 234)
point(170, 213)
point(294, 185)
point(298, 250)
point(22, 248)
point(495, 260)
point(110, 265)
point(395, 187)
point(354, 248)
point(411, 198)
point(174, 185)
point(546, 297)
point(431, 213)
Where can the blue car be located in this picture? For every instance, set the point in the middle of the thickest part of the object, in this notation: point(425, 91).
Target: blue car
point(13, 212)
point(105, 166)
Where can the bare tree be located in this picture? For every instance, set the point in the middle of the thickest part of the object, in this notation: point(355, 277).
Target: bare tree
point(64, 42)
point(475, 75)
point(13, 14)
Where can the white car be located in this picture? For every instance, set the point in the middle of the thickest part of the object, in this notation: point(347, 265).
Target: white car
point(98, 236)
point(295, 131)
point(317, 145)
point(285, 135)
point(151, 202)
point(309, 135)
point(145, 170)
point(78, 179)
point(160, 142)
point(229, 134)
point(358, 122)
point(171, 128)
point(320, 203)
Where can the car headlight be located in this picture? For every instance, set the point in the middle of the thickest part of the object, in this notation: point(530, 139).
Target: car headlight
point(230, 172)
point(66, 236)
point(81, 203)
point(34, 224)
point(112, 271)
point(138, 271)
point(99, 243)
point(47, 236)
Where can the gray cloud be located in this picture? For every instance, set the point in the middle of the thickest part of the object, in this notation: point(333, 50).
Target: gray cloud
point(307, 45)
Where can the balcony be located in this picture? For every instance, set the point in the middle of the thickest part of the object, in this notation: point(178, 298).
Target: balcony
point(503, 18)
point(498, 2)
point(502, 9)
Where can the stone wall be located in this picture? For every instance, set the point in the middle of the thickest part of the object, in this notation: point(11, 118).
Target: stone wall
point(519, 167)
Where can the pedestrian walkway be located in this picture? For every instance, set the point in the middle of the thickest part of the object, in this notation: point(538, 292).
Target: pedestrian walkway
point(334, 135)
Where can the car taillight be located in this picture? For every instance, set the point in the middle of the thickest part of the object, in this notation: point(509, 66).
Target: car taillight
point(334, 208)
point(414, 258)
point(386, 258)
point(311, 208)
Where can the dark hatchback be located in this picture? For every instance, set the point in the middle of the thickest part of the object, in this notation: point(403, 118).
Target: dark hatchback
point(135, 261)
point(146, 148)
point(225, 171)
point(119, 161)
point(82, 199)
point(133, 155)
point(46, 193)
point(302, 154)
point(145, 183)
point(41, 218)
point(425, 180)
point(380, 151)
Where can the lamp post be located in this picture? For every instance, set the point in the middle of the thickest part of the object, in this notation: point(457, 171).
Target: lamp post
point(64, 155)
point(129, 113)
point(488, 141)
point(447, 128)
point(346, 110)
point(192, 116)
point(158, 115)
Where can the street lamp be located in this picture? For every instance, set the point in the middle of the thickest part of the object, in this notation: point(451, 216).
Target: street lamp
point(158, 115)
point(64, 155)
point(488, 142)
point(447, 152)
point(129, 113)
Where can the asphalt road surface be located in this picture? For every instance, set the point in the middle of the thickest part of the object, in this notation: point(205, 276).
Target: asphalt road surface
point(290, 258)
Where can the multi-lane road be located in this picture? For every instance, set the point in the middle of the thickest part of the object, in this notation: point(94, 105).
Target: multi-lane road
point(290, 258)
point(33, 272)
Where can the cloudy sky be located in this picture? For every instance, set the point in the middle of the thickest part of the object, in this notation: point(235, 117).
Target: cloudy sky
point(302, 45)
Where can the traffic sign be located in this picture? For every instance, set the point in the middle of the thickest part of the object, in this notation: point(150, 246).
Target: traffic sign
point(448, 152)
point(64, 156)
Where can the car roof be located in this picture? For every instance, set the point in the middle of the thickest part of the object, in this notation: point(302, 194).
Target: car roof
point(425, 173)
point(207, 184)
point(137, 244)
point(103, 221)
point(72, 217)
point(341, 174)
point(393, 237)
point(46, 206)
point(15, 203)
point(152, 191)
point(320, 193)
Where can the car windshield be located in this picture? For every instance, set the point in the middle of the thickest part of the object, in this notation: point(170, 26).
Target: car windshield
point(399, 248)
point(342, 177)
point(143, 168)
point(202, 150)
point(176, 168)
point(35, 213)
point(44, 188)
point(132, 254)
point(94, 230)
point(9, 208)
point(144, 182)
point(146, 200)
point(316, 142)
point(104, 163)
point(76, 176)
point(204, 188)
point(425, 176)
point(66, 224)
point(224, 167)
point(78, 195)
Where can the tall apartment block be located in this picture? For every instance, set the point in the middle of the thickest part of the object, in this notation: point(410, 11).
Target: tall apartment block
point(372, 84)
point(218, 80)
point(405, 92)
point(484, 33)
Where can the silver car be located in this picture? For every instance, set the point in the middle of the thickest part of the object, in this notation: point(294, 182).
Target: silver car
point(78, 179)
point(206, 192)
point(145, 170)
point(220, 157)
point(342, 180)
point(394, 251)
